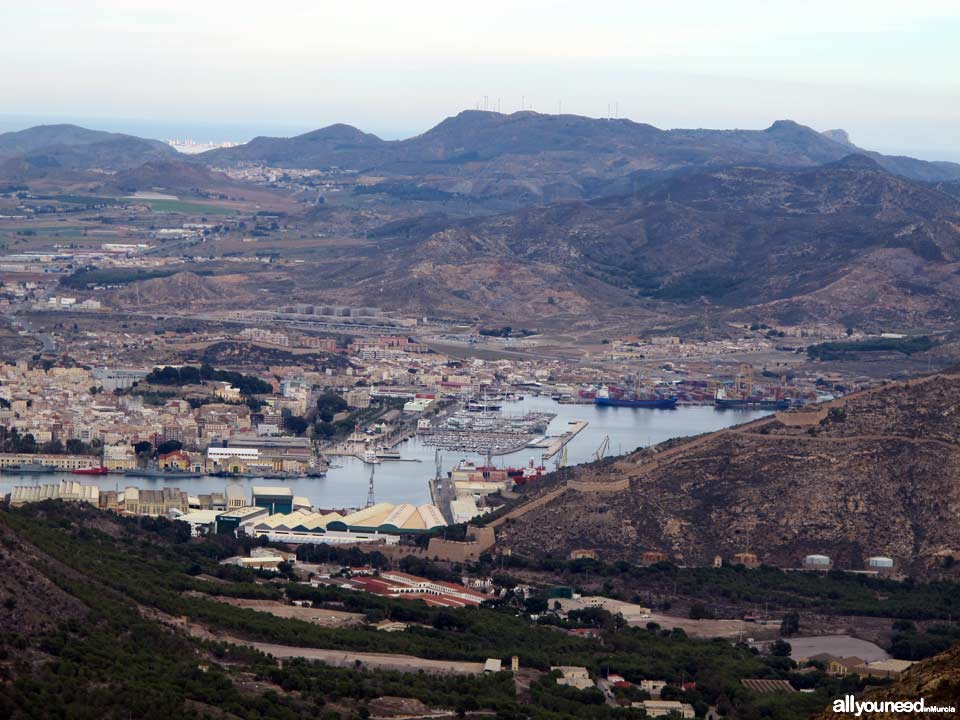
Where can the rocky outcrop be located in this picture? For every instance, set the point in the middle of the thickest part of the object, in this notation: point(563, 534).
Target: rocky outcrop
point(936, 680)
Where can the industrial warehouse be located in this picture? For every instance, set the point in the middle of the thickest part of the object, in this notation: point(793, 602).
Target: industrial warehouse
point(273, 512)
point(383, 522)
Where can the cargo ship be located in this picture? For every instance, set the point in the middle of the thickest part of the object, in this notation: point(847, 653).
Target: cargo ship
point(521, 476)
point(606, 397)
point(722, 402)
point(483, 405)
point(387, 454)
point(91, 471)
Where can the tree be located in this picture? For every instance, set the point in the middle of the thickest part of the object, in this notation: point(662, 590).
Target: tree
point(54, 447)
point(535, 605)
point(324, 429)
point(76, 446)
point(169, 446)
point(27, 444)
point(780, 648)
point(790, 625)
point(143, 447)
point(699, 611)
point(332, 403)
point(296, 424)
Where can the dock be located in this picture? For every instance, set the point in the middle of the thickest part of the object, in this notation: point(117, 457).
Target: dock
point(556, 444)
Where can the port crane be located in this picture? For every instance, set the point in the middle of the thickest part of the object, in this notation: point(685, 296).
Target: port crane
point(370, 497)
point(561, 459)
point(603, 449)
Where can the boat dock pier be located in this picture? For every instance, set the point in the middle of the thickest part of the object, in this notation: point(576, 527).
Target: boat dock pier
point(557, 443)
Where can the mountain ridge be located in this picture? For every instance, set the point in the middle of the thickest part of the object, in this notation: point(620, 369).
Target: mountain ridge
point(476, 135)
point(737, 236)
point(71, 147)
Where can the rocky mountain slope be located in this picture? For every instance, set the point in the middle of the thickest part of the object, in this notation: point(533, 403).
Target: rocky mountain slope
point(167, 291)
point(168, 174)
point(845, 241)
point(875, 477)
point(936, 680)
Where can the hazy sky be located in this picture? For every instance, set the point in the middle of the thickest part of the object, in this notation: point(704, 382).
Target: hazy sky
point(887, 71)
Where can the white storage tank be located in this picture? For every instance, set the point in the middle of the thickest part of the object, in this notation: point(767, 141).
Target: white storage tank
point(817, 561)
point(879, 562)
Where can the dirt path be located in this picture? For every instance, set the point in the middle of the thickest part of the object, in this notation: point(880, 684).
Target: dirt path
point(381, 661)
point(337, 658)
point(318, 616)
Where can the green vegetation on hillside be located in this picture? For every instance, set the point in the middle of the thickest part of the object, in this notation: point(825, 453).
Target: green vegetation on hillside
point(189, 375)
point(91, 277)
point(835, 592)
point(121, 662)
point(846, 350)
point(187, 208)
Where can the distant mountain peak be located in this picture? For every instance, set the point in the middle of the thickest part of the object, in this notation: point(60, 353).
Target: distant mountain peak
point(339, 131)
point(838, 136)
point(856, 161)
point(781, 125)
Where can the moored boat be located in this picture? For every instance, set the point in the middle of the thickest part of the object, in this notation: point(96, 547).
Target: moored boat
point(101, 470)
point(33, 466)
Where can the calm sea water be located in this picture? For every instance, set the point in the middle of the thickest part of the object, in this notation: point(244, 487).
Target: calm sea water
point(406, 481)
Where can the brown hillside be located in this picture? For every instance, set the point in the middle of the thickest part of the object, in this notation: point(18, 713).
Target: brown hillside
point(936, 680)
point(879, 477)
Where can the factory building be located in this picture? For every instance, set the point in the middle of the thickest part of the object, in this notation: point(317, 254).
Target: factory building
point(257, 452)
point(66, 490)
point(817, 562)
point(464, 509)
point(236, 498)
point(388, 518)
point(200, 521)
point(277, 500)
point(747, 559)
point(232, 459)
point(881, 564)
point(239, 519)
point(58, 462)
point(383, 522)
point(154, 502)
point(117, 379)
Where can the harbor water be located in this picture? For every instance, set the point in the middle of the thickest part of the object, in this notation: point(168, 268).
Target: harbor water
point(406, 481)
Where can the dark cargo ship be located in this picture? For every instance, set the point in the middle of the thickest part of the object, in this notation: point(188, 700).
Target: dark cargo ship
point(609, 398)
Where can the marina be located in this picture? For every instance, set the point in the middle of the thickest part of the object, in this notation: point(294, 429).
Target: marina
point(482, 431)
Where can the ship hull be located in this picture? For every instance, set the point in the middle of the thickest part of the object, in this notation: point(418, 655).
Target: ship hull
point(91, 471)
point(170, 475)
point(654, 403)
point(752, 404)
